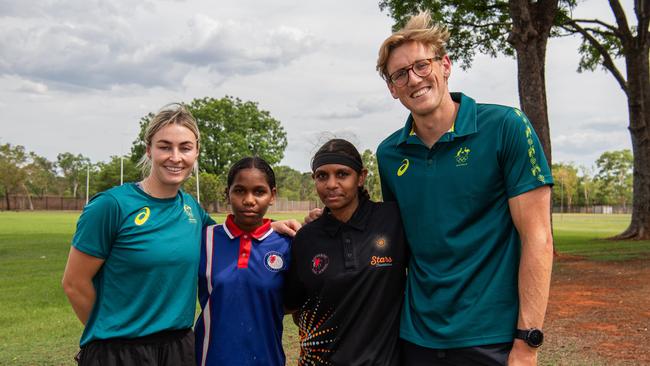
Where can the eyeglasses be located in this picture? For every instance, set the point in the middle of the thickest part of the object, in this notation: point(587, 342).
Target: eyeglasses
point(421, 68)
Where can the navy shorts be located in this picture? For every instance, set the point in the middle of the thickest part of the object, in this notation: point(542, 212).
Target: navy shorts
point(168, 348)
point(487, 355)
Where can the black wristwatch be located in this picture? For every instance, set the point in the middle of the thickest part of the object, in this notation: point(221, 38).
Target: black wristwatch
point(533, 336)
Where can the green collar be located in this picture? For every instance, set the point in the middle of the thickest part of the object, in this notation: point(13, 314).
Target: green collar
point(465, 123)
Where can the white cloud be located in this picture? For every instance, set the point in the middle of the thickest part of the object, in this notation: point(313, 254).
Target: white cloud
point(233, 47)
point(32, 87)
point(80, 55)
point(362, 107)
point(589, 141)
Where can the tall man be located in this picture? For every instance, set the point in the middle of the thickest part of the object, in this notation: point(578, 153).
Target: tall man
point(473, 187)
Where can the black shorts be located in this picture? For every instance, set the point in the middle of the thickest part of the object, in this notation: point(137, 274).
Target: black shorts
point(487, 355)
point(168, 348)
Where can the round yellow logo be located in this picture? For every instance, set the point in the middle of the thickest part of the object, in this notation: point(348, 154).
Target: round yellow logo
point(143, 216)
point(402, 169)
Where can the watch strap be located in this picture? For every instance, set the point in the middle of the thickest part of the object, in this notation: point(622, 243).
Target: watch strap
point(522, 334)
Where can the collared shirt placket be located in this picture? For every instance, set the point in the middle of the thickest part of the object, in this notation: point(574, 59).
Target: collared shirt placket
point(349, 256)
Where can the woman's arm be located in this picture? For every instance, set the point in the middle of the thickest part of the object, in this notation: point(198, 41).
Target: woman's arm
point(78, 282)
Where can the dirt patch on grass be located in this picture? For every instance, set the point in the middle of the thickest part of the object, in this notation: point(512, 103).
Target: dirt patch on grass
point(598, 313)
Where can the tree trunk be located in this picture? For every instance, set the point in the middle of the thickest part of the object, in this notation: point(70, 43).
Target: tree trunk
point(531, 28)
point(7, 198)
point(29, 198)
point(638, 101)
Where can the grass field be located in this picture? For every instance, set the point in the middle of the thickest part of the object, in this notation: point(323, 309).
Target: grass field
point(39, 327)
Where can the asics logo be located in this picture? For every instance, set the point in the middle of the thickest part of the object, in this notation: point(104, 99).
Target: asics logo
point(143, 216)
point(402, 168)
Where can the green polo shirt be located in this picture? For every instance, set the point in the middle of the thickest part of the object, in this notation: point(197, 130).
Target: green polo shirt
point(462, 284)
point(150, 248)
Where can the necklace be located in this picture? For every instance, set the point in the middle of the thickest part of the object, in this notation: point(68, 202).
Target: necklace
point(144, 189)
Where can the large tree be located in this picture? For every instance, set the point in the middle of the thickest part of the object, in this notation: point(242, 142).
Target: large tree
point(602, 44)
point(518, 28)
point(230, 130)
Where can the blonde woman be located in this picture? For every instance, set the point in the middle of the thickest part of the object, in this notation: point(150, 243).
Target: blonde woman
point(132, 269)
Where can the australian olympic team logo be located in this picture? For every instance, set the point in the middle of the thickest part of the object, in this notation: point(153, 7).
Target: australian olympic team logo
point(319, 263)
point(188, 212)
point(142, 216)
point(273, 261)
point(402, 168)
point(462, 155)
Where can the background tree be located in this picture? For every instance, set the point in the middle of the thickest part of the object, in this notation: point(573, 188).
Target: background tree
point(586, 185)
point(307, 188)
point(108, 173)
point(40, 175)
point(230, 130)
point(12, 161)
point(373, 184)
point(288, 181)
point(565, 176)
point(614, 177)
point(73, 168)
point(212, 189)
point(602, 44)
point(518, 28)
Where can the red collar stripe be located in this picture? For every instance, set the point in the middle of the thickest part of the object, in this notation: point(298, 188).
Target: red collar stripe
point(245, 238)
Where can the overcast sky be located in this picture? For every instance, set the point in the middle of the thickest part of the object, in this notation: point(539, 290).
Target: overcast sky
point(77, 75)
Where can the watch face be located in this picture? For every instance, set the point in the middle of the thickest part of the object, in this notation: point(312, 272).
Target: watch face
point(535, 338)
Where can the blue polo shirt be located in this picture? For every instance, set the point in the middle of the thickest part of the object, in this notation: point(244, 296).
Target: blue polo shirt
point(241, 280)
point(462, 282)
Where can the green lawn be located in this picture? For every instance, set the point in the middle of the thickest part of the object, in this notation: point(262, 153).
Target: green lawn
point(585, 234)
point(39, 327)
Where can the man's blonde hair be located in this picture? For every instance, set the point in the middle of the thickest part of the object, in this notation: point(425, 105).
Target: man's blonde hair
point(419, 28)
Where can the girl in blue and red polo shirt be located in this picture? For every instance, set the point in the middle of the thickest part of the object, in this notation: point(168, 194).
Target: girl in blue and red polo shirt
point(241, 276)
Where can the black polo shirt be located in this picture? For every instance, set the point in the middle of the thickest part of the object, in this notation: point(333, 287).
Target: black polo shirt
point(347, 282)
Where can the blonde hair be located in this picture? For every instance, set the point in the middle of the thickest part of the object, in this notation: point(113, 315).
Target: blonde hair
point(173, 113)
point(417, 29)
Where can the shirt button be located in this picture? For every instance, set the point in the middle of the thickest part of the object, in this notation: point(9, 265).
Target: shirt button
point(347, 241)
point(429, 162)
point(243, 255)
point(349, 255)
point(245, 236)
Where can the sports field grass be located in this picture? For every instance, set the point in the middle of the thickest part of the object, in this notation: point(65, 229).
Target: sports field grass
point(38, 326)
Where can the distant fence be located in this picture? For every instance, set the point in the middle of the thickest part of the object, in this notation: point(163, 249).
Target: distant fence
point(42, 203)
point(596, 209)
point(56, 203)
point(281, 205)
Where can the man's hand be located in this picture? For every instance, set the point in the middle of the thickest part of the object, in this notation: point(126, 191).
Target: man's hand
point(286, 227)
point(313, 215)
point(522, 354)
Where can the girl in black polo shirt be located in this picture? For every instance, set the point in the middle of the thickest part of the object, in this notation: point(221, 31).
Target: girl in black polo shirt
point(346, 282)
